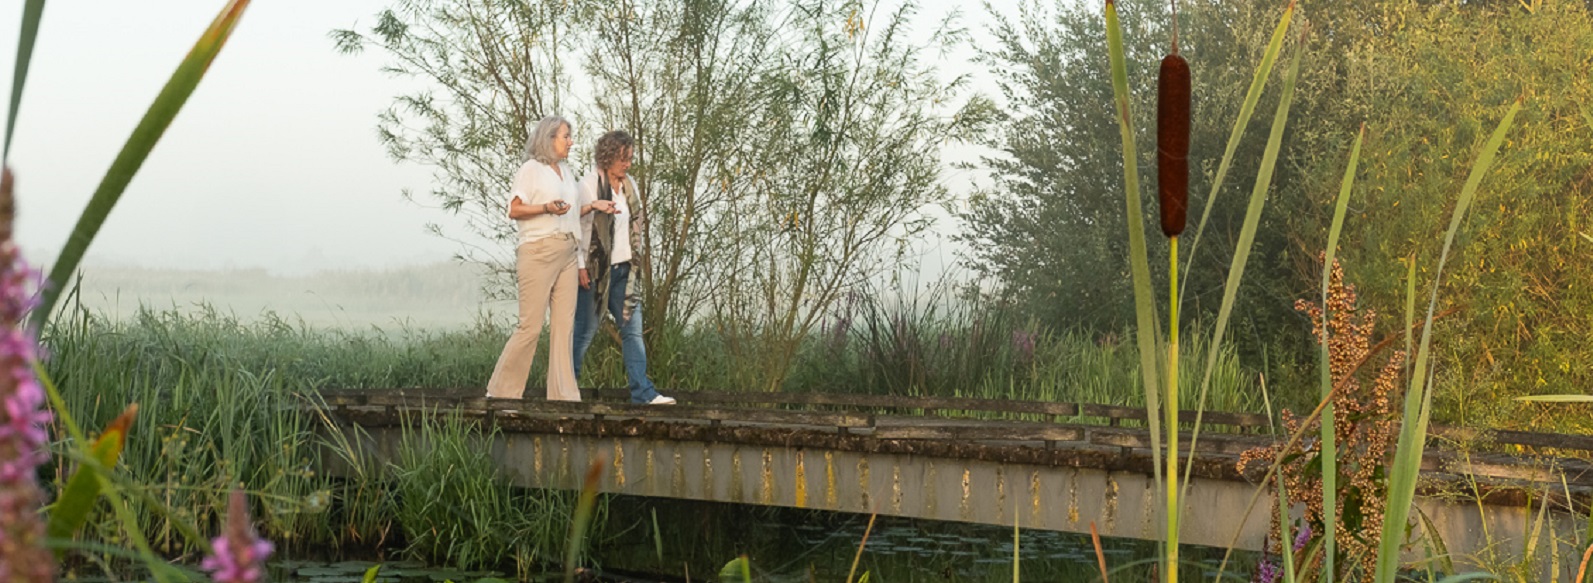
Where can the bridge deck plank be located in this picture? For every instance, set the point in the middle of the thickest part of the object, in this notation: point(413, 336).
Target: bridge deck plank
point(687, 412)
point(835, 411)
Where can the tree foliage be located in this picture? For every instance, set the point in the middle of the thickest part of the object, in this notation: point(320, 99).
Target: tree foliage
point(855, 118)
point(1430, 87)
point(784, 148)
point(683, 78)
point(1062, 254)
point(1426, 77)
point(476, 107)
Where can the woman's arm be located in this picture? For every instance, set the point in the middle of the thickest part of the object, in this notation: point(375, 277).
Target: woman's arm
point(519, 210)
point(527, 187)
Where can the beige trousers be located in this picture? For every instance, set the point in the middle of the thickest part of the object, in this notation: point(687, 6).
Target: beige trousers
point(546, 273)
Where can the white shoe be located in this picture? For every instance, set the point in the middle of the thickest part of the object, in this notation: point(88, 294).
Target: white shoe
point(661, 400)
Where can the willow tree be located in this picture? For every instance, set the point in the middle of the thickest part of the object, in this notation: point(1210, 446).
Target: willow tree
point(849, 163)
point(487, 70)
point(785, 150)
point(683, 77)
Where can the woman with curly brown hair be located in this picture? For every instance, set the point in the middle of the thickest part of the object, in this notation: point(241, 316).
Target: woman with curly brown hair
point(611, 238)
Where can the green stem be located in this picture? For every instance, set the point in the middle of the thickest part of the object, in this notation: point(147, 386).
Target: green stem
point(1171, 407)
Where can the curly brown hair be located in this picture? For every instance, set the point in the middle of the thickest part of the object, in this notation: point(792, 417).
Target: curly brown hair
point(611, 146)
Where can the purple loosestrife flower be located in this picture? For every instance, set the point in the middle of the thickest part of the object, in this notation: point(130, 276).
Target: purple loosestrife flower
point(23, 558)
point(843, 328)
point(1023, 344)
point(238, 554)
point(1302, 538)
point(1266, 571)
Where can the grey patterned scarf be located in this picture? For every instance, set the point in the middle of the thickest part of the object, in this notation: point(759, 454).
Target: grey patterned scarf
point(597, 264)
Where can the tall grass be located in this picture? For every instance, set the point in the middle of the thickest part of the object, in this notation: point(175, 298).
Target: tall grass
point(168, 342)
point(207, 424)
point(458, 507)
point(928, 347)
point(221, 408)
point(879, 346)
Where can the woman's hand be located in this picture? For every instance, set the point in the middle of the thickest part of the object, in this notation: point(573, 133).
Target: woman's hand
point(585, 282)
point(605, 206)
point(557, 207)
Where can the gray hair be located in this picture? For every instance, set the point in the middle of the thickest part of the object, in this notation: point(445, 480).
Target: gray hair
point(540, 146)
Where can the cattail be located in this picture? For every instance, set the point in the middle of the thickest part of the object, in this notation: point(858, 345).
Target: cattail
point(1172, 173)
point(1172, 139)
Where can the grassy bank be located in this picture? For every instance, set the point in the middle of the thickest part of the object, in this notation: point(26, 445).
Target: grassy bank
point(219, 408)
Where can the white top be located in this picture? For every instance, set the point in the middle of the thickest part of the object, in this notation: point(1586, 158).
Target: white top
point(536, 184)
point(622, 251)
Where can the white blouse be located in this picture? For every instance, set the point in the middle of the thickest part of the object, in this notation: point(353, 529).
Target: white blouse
point(622, 251)
point(536, 184)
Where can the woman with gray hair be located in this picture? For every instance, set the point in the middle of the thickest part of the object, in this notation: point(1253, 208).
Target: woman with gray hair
point(540, 199)
point(610, 239)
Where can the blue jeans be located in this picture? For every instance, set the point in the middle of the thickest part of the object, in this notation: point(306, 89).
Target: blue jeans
point(631, 347)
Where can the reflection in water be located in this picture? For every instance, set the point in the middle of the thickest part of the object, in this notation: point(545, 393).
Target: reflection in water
point(791, 545)
point(788, 545)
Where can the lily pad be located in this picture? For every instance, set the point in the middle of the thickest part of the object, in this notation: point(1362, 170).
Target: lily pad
point(319, 571)
point(353, 566)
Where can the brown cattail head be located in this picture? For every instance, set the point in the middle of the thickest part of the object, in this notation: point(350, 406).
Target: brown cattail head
point(1172, 142)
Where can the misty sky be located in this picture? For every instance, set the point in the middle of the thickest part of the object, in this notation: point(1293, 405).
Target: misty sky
point(274, 162)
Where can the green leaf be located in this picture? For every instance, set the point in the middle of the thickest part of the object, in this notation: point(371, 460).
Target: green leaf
point(658, 539)
point(1437, 543)
point(158, 568)
point(137, 149)
point(370, 574)
point(31, 12)
point(1015, 547)
point(1557, 398)
point(1410, 312)
point(1589, 535)
point(1247, 236)
point(1463, 577)
point(1530, 546)
point(584, 507)
point(1418, 397)
point(1144, 306)
point(1284, 531)
point(1330, 472)
point(82, 492)
point(858, 557)
point(1246, 110)
point(738, 569)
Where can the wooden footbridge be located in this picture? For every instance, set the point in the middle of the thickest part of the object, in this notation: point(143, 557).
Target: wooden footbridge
point(1057, 466)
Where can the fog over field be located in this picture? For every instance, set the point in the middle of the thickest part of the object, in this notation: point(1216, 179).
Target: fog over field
point(434, 296)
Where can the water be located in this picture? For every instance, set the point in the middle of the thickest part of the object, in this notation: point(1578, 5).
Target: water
point(390, 572)
point(301, 571)
point(792, 545)
point(667, 540)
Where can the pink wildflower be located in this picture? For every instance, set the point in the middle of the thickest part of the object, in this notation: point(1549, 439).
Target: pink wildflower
point(238, 555)
point(23, 557)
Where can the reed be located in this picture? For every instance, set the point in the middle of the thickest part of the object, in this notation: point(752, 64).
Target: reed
point(1145, 312)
